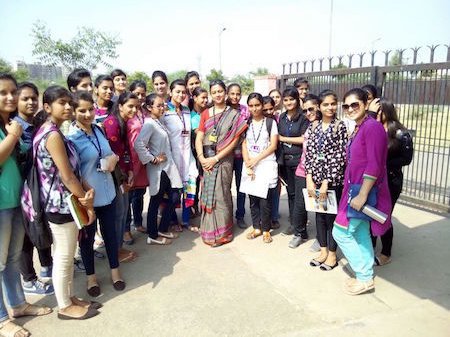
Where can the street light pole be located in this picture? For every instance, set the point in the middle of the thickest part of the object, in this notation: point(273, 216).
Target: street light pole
point(220, 47)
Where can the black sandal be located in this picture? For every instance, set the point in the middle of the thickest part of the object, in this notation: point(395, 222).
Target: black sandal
point(326, 267)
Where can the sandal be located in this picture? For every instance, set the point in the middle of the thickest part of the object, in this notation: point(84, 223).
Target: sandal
point(162, 241)
point(140, 229)
point(267, 238)
point(193, 229)
point(10, 329)
point(177, 228)
point(168, 235)
point(380, 261)
point(254, 234)
point(30, 310)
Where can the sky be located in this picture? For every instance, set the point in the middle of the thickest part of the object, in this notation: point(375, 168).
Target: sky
point(175, 34)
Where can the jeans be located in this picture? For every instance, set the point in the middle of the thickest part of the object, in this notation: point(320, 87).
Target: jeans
point(26, 262)
point(240, 200)
point(261, 210)
point(11, 243)
point(167, 213)
point(122, 206)
point(136, 197)
point(299, 215)
point(64, 244)
point(106, 218)
point(356, 245)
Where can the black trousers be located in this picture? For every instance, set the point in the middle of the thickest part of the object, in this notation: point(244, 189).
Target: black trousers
point(288, 174)
point(261, 211)
point(300, 216)
point(395, 188)
point(26, 261)
point(324, 224)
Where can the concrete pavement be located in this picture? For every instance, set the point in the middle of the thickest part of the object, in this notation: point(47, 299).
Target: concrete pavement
point(248, 288)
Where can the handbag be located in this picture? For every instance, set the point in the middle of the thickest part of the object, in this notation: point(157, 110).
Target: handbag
point(371, 201)
point(209, 151)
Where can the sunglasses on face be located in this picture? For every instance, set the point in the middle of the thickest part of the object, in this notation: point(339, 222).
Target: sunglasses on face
point(354, 106)
point(309, 110)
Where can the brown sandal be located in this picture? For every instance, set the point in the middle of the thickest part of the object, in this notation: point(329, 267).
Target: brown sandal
point(10, 329)
point(254, 234)
point(30, 310)
point(267, 238)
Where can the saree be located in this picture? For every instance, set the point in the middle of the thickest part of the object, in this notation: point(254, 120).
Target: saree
point(216, 226)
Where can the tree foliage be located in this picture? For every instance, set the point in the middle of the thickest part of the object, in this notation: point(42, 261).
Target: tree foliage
point(142, 76)
point(20, 74)
point(215, 74)
point(246, 83)
point(260, 72)
point(89, 48)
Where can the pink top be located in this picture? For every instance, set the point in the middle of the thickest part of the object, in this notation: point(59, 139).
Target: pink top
point(366, 159)
point(300, 171)
point(134, 127)
point(246, 114)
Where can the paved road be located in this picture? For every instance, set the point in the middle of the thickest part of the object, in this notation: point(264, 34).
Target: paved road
point(248, 288)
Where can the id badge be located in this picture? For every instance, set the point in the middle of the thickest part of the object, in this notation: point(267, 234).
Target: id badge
point(185, 133)
point(287, 145)
point(99, 166)
point(321, 156)
point(255, 148)
point(212, 138)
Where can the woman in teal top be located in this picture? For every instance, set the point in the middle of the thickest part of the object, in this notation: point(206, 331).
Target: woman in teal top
point(11, 226)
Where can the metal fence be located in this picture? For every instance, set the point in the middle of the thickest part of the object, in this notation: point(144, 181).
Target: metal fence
point(421, 93)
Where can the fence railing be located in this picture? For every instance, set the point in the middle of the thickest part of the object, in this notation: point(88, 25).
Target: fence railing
point(421, 93)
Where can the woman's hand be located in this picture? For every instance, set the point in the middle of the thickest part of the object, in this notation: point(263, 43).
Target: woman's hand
point(161, 157)
point(208, 163)
point(251, 173)
point(91, 215)
point(88, 199)
point(358, 202)
point(14, 128)
point(112, 161)
point(374, 105)
point(323, 191)
point(311, 187)
point(252, 162)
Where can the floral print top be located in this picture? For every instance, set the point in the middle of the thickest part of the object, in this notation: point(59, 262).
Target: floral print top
point(325, 153)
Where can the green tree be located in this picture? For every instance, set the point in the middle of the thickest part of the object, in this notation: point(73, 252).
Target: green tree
point(260, 72)
point(215, 74)
point(20, 74)
point(395, 59)
point(88, 48)
point(176, 75)
point(142, 76)
point(246, 83)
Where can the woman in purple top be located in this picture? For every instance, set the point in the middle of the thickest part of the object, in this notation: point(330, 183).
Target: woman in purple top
point(366, 168)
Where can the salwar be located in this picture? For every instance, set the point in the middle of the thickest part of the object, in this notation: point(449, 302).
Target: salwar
point(261, 210)
point(356, 244)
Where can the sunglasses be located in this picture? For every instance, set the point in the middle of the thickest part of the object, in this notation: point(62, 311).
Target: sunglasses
point(354, 106)
point(309, 110)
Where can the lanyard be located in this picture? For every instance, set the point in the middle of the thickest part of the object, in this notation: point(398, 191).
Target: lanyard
point(97, 141)
point(259, 133)
point(182, 119)
point(161, 126)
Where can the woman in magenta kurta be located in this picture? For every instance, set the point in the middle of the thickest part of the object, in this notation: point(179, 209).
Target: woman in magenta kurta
point(366, 166)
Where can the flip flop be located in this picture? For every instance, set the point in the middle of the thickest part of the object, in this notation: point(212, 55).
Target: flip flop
point(326, 267)
point(31, 310)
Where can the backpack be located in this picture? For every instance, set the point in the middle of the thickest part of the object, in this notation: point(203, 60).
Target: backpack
point(407, 146)
point(269, 122)
point(35, 220)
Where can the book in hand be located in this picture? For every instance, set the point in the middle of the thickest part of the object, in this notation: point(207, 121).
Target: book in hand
point(78, 211)
point(312, 204)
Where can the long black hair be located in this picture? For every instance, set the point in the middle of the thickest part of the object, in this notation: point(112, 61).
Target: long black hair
point(390, 117)
point(123, 98)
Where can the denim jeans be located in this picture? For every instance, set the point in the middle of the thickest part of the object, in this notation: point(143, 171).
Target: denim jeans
point(136, 197)
point(356, 244)
point(240, 200)
point(122, 206)
point(11, 243)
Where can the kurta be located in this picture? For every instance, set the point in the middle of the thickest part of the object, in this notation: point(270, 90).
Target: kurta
point(366, 158)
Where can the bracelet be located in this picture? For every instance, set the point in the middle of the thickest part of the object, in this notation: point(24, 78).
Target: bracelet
point(217, 159)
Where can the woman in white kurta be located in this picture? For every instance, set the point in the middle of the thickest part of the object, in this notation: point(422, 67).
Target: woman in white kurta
point(178, 122)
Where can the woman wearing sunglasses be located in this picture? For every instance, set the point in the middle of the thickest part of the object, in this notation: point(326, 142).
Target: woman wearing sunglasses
point(365, 181)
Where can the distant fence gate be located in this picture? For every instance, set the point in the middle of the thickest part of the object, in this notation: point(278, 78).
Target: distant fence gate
point(421, 94)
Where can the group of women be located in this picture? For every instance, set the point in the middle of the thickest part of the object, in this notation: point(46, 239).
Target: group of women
point(105, 143)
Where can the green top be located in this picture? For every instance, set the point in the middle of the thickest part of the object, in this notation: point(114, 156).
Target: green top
point(10, 182)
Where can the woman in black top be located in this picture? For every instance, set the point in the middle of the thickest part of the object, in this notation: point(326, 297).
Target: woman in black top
point(400, 153)
point(291, 127)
